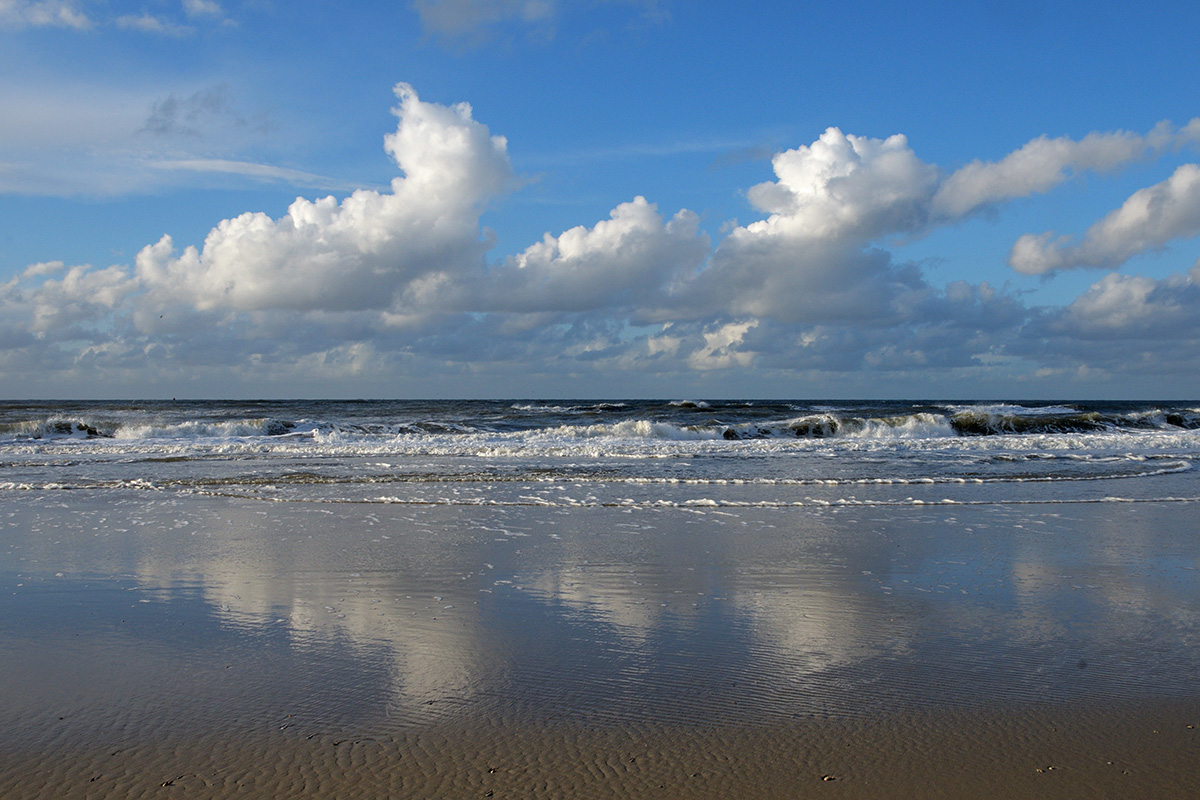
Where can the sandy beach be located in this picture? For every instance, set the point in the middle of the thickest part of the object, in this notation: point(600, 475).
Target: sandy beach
point(1116, 751)
point(214, 647)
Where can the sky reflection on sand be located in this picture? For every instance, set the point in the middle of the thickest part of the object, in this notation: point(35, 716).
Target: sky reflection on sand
point(374, 615)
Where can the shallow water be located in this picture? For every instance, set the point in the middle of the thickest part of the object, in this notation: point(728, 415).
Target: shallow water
point(197, 611)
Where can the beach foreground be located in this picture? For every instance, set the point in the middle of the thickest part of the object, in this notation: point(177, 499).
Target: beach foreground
point(1115, 751)
point(157, 645)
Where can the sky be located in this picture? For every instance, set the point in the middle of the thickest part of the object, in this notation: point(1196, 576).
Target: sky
point(599, 198)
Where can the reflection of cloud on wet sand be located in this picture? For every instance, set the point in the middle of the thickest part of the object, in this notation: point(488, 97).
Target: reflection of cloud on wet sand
point(1124, 581)
point(303, 572)
point(603, 597)
point(465, 604)
point(804, 630)
point(427, 599)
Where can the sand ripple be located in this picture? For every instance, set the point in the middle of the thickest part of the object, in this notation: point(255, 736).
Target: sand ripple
point(1147, 751)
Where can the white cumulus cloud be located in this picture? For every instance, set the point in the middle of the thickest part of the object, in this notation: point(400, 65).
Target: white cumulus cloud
point(1044, 163)
point(812, 259)
point(1149, 219)
point(628, 261)
point(845, 185)
point(362, 252)
point(1134, 307)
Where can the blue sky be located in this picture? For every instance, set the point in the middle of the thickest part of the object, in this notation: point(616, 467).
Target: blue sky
point(598, 198)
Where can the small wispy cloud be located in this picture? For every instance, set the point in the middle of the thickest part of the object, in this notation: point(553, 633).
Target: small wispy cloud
point(475, 21)
point(82, 15)
point(262, 172)
point(147, 23)
point(465, 18)
point(203, 8)
point(664, 149)
point(191, 114)
point(18, 14)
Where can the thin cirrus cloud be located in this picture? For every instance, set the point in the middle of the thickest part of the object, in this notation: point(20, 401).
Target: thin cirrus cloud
point(396, 280)
point(200, 113)
point(256, 171)
point(203, 8)
point(101, 141)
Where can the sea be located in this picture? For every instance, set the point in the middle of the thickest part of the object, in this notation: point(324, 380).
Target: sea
point(624, 453)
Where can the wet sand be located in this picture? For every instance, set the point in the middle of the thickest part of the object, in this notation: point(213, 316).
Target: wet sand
point(1128, 752)
point(209, 647)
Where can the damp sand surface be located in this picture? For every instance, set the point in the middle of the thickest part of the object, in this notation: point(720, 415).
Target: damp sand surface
point(1128, 752)
point(159, 645)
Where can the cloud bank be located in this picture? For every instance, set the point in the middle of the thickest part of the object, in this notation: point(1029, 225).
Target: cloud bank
point(396, 292)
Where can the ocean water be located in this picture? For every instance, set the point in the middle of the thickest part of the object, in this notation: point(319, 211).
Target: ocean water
point(609, 453)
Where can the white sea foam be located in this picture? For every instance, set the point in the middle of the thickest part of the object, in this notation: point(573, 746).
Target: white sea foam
point(913, 426)
point(699, 404)
point(629, 439)
point(636, 455)
point(639, 429)
point(231, 430)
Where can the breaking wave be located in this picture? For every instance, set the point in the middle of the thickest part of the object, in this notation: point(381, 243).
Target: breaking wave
point(537, 424)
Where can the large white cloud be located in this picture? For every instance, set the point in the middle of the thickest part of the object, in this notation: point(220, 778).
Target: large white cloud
point(813, 258)
point(816, 257)
point(365, 251)
point(629, 261)
point(845, 185)
point(1149, 219)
